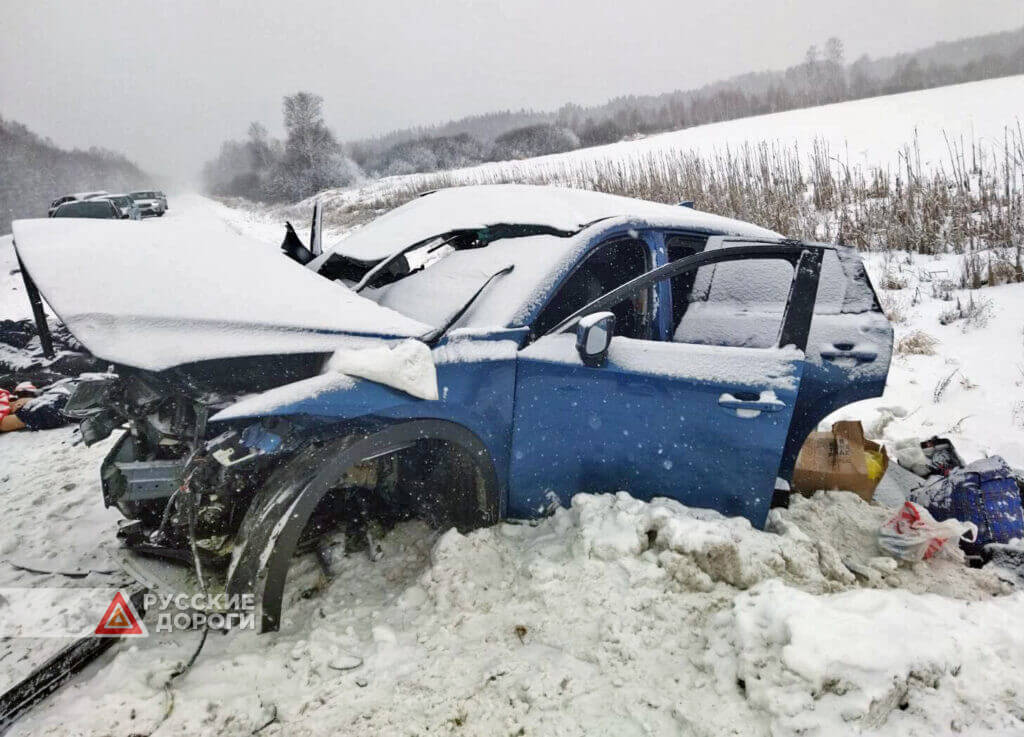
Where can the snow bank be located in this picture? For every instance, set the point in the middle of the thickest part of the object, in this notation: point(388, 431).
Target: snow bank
point(614, 616)
point(850, 528)
point(980, 407)
point(864, 660)
point(851, 131)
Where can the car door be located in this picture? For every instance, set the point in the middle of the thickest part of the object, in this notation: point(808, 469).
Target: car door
point(848, 347)
point(705, 424)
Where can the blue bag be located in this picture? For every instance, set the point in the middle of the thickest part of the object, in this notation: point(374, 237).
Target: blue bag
point(984, 492)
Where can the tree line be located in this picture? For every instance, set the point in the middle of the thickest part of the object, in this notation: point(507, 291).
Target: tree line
point(311, 159)
point(33, 171)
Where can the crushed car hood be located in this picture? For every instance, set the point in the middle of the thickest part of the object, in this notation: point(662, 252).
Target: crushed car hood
point(154, 295)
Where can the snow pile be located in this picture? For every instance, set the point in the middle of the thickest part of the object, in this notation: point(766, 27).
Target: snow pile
point(700, 547)
point(850, 527)
point(611, 616)
point(863, 660)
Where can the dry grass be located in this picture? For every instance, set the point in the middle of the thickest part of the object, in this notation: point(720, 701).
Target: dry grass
point(918, 343)
point(972, 312)
point(894, 307)
point(972, 203)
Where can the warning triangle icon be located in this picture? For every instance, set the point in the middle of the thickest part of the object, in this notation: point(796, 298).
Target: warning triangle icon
point(120, 619)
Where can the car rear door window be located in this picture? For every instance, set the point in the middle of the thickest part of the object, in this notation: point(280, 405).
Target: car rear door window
point(732, 303)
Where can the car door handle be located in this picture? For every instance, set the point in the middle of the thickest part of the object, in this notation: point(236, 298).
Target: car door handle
point(836, 351)
point(765, 402)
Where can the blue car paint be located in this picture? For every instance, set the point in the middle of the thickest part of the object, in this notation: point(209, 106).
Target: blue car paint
point(478, 395)
point(825, 388)
point(584, 429)
point(606, 429)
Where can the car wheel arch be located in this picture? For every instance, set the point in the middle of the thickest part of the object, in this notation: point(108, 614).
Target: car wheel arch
point(270, 531)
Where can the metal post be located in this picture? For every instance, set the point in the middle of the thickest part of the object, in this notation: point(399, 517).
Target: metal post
point(37, 311)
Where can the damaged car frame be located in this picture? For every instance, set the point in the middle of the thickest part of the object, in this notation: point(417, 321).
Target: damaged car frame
point(478, 354)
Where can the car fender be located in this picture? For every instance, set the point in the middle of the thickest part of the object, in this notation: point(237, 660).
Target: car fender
point(476, 382)
point(269, 534)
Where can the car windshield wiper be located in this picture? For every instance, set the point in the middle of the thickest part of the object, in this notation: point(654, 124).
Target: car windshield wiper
point(381, 266)
point(435, 335)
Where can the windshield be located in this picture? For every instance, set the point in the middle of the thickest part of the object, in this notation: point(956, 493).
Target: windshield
point(94, 209)
point(143, 195)
point(121, 201)
point(451, 277)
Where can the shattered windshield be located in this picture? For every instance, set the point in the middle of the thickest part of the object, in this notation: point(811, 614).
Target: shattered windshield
point(447, 278)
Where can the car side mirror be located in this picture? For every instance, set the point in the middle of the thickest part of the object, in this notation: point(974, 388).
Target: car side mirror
point(593, 336)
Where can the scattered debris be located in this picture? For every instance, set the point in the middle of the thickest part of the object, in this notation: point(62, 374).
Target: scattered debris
point(983, 493)
point(840, 459)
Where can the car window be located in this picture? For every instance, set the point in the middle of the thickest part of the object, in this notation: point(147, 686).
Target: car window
point(732, 303)
point(681, 245)
point(608, 266)
point(86, 209)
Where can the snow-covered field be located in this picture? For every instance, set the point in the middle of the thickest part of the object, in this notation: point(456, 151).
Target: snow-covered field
point(615, 616)
point(867, 133)
point(981, 408)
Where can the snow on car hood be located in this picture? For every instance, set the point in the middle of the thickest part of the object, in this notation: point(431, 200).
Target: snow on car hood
point(479, 206)
point(159, 294)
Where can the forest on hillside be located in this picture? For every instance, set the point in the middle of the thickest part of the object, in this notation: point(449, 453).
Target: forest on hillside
point(34, 171)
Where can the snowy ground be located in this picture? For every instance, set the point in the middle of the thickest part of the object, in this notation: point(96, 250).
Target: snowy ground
point(615, 616)
point(982, 406)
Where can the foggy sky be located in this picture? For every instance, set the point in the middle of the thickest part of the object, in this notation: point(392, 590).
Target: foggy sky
point(166, 82)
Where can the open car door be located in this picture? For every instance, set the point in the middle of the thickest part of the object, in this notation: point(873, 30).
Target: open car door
point(705, 424)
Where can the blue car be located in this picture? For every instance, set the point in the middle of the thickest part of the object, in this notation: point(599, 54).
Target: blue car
point(479, 353)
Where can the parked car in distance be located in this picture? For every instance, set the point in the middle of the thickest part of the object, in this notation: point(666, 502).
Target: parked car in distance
point(71, 198)
point(150, 202)
point(129, 210)
point(95, 209)
point(477, 354)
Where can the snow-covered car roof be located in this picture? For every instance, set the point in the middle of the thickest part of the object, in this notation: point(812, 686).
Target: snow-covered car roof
point(480, 206)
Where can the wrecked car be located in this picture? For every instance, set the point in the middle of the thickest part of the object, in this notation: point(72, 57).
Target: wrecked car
point(479, 353)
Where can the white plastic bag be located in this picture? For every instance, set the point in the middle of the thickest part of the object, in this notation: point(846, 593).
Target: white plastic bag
point(912, 534)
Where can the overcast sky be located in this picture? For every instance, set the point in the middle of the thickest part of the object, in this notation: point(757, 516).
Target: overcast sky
point(165, 82)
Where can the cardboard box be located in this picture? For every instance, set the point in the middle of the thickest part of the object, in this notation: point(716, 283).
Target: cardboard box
point(835, 460)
